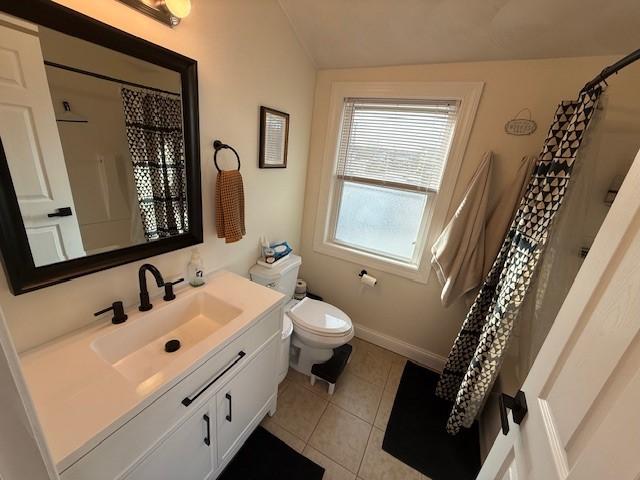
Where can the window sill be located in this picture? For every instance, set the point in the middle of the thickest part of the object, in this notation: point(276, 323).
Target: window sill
point(416, 273)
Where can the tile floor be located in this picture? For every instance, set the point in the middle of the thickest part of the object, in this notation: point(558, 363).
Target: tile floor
point(344, 432)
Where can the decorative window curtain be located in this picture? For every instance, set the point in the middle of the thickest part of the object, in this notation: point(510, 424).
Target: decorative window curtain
point(156, 144)
point(476, 356)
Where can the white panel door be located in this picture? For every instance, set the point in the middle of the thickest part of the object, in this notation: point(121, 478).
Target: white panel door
point(583, 391)
point(33, 149)
point(240, 400)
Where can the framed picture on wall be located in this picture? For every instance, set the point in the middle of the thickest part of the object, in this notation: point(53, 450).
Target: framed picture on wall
point(274, 138)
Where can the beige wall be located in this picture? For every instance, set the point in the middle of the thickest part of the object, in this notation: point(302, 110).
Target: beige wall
point(247, 56)
point(398, 307)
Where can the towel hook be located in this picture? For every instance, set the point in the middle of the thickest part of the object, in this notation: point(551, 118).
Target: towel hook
point(217, 146)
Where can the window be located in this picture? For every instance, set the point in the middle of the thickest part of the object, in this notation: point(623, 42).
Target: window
point(391, 160)
point(391, 156)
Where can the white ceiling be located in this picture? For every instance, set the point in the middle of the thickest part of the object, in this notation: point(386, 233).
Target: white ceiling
point(357, 33)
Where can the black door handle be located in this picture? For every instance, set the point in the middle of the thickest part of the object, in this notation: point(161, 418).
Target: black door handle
point(207, 439)
point(517, 404)
point(228, 397)
point(61, 212)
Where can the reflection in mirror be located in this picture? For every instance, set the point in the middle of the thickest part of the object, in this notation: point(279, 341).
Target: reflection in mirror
point(95, 150)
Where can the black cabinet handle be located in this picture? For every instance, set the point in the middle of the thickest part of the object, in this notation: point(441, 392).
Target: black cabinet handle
point(207, 439)
point(517, 404)
point(189, 400)
point(228, 397)
point(61, 212)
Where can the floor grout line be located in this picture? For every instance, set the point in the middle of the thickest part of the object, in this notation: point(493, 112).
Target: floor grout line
point(365, 451)
point(318, 423)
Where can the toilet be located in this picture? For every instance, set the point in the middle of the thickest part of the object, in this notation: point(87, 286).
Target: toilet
point(318, 327)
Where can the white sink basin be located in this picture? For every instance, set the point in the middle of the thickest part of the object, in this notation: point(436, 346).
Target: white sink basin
point(136, 349)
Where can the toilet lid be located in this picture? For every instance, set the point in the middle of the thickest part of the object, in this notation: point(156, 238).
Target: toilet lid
point(320, 317)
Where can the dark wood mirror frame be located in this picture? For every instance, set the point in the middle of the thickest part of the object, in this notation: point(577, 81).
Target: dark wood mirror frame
point(22, 274)
point(263, 132)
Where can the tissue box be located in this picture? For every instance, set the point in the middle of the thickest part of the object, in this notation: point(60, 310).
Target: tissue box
point(275, 252)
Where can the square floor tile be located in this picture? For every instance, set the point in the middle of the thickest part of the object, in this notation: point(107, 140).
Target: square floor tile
point(299, 410)
point(342, 437)
point(320, 388)
point(379, 465)
point(370, 366)
point(289, 438)
point(332, 471)
point(282, 386)
point(384, 353)
point(357, 396)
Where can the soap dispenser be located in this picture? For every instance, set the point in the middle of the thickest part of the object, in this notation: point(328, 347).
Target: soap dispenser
point(195, 269)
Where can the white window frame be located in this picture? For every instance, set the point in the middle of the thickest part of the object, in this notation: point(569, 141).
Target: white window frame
point(468, 94)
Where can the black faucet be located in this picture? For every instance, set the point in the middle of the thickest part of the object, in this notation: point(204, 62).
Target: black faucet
point(145, 304)
point(118, 313)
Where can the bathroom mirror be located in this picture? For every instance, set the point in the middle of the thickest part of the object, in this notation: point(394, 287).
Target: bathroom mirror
point(100, 149)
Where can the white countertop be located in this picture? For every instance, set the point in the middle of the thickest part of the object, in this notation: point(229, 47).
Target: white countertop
point(81, 399)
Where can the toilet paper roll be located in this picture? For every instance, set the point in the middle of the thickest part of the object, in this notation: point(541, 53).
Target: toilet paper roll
point(301, 286)
point(368, 280)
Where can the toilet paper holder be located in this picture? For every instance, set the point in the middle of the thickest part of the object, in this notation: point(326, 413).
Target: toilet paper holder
point(367, 279)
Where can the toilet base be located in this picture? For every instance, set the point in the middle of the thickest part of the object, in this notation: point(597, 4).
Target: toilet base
point(304, 356)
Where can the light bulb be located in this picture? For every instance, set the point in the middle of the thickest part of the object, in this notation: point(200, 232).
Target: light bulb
point(178, 8)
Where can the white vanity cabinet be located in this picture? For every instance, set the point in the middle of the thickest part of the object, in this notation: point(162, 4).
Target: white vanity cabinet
point(192, 430)
point(241, 399)
point(185, 453)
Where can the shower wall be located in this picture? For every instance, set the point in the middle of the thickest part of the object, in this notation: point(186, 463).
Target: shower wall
point(603, 161)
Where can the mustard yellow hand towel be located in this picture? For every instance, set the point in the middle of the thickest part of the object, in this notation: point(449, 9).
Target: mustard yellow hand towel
point(230, 206)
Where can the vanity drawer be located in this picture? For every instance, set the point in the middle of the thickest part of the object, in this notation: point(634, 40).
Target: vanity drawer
point(115, 457)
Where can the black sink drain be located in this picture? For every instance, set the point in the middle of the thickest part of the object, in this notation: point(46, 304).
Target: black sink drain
point(172, 346)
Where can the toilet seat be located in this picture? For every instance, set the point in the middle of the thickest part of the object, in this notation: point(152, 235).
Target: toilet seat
point(320, 318)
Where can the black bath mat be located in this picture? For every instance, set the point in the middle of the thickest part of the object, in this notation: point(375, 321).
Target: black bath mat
point(416, 432)
point(266, 457)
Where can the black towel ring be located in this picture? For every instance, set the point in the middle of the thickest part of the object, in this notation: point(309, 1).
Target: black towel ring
point(217, 146)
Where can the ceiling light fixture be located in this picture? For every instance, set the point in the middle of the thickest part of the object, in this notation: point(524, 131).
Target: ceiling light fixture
point(169, 12)
point(179, 8)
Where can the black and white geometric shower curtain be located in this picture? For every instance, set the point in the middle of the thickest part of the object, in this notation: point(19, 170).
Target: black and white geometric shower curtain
point(475, 359)
point(156, 144)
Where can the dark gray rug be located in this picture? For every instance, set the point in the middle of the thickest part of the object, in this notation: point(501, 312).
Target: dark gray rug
point(266, 457)
point(416, 432)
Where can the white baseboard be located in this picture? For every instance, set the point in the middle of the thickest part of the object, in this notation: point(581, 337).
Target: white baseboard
point(420, 355)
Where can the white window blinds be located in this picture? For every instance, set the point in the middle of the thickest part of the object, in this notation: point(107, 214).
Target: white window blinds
point(396, 143)
point(275, 136)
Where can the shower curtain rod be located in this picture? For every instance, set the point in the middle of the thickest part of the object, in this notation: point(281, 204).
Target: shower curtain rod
point(611, 69)
point(109, 79)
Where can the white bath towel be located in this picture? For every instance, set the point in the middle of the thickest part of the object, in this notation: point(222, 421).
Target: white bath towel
point(468, 246)
point(458, 253)
point(502, 215)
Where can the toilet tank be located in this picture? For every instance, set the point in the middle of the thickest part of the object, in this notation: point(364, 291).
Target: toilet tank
point(281, 277)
